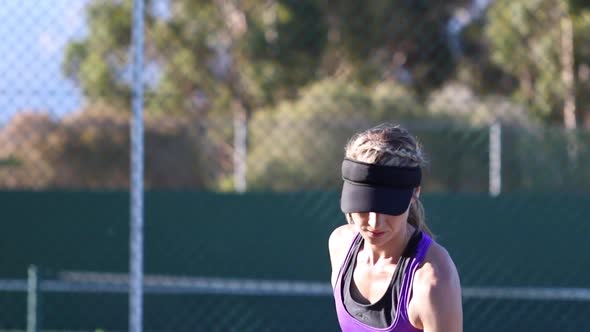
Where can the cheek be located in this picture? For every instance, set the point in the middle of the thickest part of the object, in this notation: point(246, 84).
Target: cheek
point(396, 222)
point(359, 223)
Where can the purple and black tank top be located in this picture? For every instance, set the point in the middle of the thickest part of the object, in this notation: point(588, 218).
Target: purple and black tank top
point(389, 314)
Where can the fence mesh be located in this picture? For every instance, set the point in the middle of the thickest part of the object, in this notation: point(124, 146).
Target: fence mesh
point(260, 96)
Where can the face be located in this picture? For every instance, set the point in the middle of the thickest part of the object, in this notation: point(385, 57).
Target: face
point(378, 228)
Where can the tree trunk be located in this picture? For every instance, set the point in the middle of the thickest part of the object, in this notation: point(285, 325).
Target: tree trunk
point(241, 119)
point(567, 78)
point(567, 71)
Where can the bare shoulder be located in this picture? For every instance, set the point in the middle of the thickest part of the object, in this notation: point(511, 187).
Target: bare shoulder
point(438, 267)
point(436, 301)
point(338, 245)
point(340, 240)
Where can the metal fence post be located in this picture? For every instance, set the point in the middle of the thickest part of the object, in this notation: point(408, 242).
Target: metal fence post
point(240, 149)
point(495, 159)
point(33, 300)
point(137, 160)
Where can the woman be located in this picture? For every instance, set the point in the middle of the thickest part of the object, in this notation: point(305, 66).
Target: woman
point(387, 272)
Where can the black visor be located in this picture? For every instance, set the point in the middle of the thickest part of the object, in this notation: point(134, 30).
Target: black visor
point(377, 188)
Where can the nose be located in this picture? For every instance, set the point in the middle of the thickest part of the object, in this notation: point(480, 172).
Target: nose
point(373, 219)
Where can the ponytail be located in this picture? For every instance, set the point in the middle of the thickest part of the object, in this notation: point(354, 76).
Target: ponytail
point(417, 218)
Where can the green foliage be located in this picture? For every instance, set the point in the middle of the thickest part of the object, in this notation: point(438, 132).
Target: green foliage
point(210, 53)
point(582, 55)
point(524, 36)
point(458, 103)
point(300, 144)
point(308, 74)
point(98, 62)
point(283, 46)
point(525, 41)
point(475, 67)
point(391, 34)
point(206, 54)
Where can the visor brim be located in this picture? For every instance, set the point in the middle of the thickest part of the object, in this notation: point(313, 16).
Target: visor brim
point(378, 199)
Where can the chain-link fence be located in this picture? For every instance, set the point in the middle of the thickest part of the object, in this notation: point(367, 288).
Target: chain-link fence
point(260, 97)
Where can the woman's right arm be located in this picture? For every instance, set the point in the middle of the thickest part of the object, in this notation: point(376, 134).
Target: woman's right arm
point(338, 245)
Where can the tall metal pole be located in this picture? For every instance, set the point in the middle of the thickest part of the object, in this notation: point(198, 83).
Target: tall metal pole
point(137, 159)
point(240, 148)
point(33, 300)
point(495, 152)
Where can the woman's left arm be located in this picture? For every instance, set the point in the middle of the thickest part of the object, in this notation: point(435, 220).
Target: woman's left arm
point(438, 295)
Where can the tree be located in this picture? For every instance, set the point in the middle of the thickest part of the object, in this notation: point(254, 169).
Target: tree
point(542, 42)
point(98, 62)
point(300, 144)
point(407, 40)
point(205, 54)
point(214, 58)
point(213, 54)
point(90, 149)
point(24, 166)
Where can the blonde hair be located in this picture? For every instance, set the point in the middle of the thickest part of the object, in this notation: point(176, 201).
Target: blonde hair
point(391, 145)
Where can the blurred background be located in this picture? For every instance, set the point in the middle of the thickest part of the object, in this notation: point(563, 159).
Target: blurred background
point(248, 106)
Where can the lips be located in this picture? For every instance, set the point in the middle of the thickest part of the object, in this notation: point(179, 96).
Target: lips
point(375, 234)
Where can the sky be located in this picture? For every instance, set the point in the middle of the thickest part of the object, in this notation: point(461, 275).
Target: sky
point(33, 34)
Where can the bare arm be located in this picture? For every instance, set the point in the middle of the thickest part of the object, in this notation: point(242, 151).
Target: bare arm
point(338, 245)
point(438, 295)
